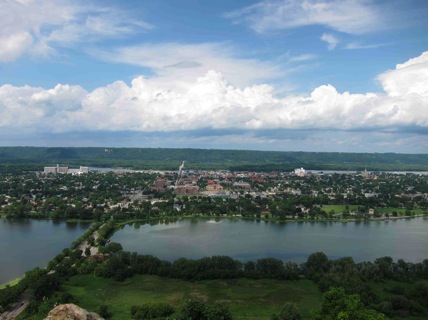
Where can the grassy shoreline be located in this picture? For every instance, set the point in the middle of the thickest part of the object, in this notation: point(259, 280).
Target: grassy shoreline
point(10, 283)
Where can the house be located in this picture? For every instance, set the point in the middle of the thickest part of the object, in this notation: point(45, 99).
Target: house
point(214, 187)
point(242, 185)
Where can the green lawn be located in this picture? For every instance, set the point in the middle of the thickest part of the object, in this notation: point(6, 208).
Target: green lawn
point(246, 299)
point(338, 208)
point(10, 283)
point(399, 210)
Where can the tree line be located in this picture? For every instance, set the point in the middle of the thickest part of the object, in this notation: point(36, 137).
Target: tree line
point(169, 159)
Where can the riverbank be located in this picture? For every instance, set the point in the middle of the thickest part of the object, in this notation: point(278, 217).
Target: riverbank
point(290, 220)
point(153, 220)
point(10, 283)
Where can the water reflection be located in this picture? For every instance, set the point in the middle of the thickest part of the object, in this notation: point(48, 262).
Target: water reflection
point(154, 222)
point(56, 222)
point(72, 225)
point(21, 223)
point(248, 239)
point(29, 243)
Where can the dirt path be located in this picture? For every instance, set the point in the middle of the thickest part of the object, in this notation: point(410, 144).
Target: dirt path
point(17, 308)
point(85, 244)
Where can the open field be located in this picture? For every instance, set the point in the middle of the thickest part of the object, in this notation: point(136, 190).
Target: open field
point(246, 299)
point(399, 210)
point(338, 208)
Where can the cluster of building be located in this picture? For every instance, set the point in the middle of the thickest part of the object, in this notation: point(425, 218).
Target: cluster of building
point(65, 170)
point(216, 182)
point(162, 184)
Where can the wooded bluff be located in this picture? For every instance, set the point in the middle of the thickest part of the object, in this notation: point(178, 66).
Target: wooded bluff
point(237, 160)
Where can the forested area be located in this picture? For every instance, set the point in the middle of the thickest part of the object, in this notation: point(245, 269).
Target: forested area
point(34, 158)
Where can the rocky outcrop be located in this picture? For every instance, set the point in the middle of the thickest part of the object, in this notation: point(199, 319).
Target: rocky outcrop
point(71, 312)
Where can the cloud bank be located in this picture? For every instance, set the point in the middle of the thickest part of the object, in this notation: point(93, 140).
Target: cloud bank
point(211, 103)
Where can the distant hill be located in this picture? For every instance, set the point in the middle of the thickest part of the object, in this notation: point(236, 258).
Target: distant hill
point(34, 158)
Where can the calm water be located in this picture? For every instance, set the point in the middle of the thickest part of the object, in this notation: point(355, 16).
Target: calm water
point(26, 244)
point(249, 240)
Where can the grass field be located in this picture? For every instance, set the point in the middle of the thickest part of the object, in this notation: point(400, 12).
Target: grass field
point(399, 210)
point(10, 283)
point(246, 299)
point(338, 208)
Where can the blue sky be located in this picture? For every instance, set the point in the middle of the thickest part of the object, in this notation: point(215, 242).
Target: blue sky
point(288, 75)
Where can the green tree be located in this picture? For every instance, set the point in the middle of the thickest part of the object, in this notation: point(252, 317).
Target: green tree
point(41, 283)
point(104, 312)
point(288, 312)
point(218, 312)
point(196, 309)
point(337, 305)
point(316, 265)
point(193, 309)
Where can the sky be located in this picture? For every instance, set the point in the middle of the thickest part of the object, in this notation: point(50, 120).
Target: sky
point(284, 75)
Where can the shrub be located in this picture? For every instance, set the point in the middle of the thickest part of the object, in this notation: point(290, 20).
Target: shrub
point(151, 311)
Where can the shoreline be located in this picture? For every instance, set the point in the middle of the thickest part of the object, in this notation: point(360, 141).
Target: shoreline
point(424, 215)
point(10, 283)
point(233, 217)
point(131, 221)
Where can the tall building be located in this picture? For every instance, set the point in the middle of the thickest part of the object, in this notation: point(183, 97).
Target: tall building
point(56, 169)
point(49, 170)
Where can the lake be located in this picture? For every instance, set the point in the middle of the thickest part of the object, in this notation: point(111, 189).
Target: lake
point(29, 243)
point(290, 241)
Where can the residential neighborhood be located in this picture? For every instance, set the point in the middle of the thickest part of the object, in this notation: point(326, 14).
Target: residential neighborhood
point(297, 195)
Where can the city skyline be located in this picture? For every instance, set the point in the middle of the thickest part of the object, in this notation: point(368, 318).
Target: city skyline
point(285, 75)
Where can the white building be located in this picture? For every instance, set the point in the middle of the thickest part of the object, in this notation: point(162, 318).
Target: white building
point(59, 169)
point(49, 170)
point(300, 172)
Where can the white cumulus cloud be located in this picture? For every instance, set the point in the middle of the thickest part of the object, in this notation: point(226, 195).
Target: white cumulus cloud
point(210, 102)
point(409, 78)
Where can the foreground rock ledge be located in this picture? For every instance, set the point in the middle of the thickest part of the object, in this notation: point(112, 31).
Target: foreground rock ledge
point(71, 312)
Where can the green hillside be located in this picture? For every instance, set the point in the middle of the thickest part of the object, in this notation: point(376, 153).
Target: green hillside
point(162, 158)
